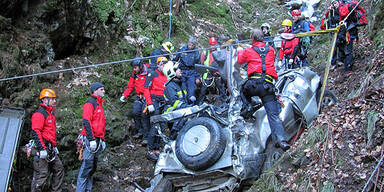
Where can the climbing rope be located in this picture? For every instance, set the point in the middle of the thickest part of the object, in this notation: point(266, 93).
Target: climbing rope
point(373, 173)
point(170, 20)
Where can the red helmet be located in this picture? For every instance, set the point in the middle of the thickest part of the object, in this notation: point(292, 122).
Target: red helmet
point(212, 41)
point(296, 12)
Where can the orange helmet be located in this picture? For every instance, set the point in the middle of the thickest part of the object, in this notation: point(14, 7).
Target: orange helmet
point(161, 60)
point(47, 93)
point(212, 41)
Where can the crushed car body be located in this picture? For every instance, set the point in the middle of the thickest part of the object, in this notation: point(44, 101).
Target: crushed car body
point(218, 149)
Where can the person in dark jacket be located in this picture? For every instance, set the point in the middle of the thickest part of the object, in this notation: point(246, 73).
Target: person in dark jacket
point(166, 49)
point(153, 92)
point(343, 53)
point(46, 157)
point(266, 28)
point(175, 94)
point(188, 56)
point(136, 81)
point(93, 136)
point(261, 73)
point(300, 25)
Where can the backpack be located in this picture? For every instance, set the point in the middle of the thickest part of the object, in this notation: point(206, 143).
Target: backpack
point(360, 12)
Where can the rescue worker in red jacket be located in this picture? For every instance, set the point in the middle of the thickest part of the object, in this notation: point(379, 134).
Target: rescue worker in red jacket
point(46, 158)
point(136, 81)
point(261, 73)
point(286, 55)
point(153, 92)
point(93, 136)
point(343, 53)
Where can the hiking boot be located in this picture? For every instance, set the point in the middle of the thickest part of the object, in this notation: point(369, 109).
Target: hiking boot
point(152, 156)
point(339, 63)
point(144, 143)
point(283, 145)
point(138, 136)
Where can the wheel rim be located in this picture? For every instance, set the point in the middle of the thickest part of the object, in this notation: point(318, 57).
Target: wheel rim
point(196, 140)
point(327, 101)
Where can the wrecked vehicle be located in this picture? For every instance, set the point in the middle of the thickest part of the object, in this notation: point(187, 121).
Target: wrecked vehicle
point(219, 150)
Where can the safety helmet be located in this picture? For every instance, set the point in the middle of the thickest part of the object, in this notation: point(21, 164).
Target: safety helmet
point(169, 69)
point(168, 46)
point(161, 60)
point(266, 25)
point(287, 22)
point(296, 12)
point(212, 41)
point(137, 62)
point(192, 40)
point(47, 93)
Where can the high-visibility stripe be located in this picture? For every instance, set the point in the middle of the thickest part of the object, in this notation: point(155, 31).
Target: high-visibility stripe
point(175, 104)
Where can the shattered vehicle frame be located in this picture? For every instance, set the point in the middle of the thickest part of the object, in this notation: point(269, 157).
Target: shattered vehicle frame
point(219, 150)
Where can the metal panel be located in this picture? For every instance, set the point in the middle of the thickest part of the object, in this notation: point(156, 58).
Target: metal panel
point(11, 121)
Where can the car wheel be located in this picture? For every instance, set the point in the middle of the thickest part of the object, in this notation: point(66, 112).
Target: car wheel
point(200, 143)
point(328, 99)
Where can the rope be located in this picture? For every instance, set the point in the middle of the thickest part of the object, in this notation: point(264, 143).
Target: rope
point(170, 20)
point(107, 63)
point(373, 173)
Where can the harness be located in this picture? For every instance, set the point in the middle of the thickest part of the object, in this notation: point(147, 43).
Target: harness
point(262, 51)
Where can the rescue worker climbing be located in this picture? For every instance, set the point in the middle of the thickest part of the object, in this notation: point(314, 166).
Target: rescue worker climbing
point(153, 92)
point(261, 73)
point(286, 55)
point(166, 49)
point(92, 137)
point(46, 157)
point(266, 28)
point(188, 56)
point(300, 25)
point(343, 54)
point(175, 94)
point(210, 82)
point(136, 81)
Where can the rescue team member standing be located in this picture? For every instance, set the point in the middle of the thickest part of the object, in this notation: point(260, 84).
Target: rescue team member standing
point(44, 136)
point(137, 80)
point(93, 136)
point(261, 72)
point(286, 55)
point(166, 49)
point(175, 94)
point(153, 93)
point(189, 56)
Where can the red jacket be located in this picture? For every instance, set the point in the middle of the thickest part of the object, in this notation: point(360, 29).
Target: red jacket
point(154, 85)
point(254, 60)
point(287, 48)
point(137, 81)
point(93, 118)
point(44, 127)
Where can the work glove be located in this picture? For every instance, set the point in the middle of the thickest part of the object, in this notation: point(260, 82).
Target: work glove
point(56, 150)
point(151, 108)
point(192, 98)
point(290, 61)
point(43, 154)
point(280, 64)
point(92, 145)
point(122, 98)
point(103, 145)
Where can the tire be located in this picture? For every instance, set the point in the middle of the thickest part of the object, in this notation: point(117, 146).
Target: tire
point(200, 143)
point(328, 99)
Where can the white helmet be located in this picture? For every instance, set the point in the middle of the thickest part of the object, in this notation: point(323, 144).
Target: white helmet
point(266, 25)
point(169, 69)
